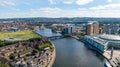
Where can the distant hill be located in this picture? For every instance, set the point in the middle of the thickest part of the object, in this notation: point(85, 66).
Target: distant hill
point(65, 19)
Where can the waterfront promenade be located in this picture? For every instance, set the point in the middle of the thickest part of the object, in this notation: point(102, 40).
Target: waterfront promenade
point(115, 58)
point(53, 56)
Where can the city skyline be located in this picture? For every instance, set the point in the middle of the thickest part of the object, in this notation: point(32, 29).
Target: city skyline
point(59, 8)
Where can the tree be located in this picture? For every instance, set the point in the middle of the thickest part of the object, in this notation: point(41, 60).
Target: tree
point(11, 56)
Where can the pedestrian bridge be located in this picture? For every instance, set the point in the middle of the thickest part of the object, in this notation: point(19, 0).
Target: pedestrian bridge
point(55, 37)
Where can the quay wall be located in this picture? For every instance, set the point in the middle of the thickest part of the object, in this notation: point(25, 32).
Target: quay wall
point(53, 56)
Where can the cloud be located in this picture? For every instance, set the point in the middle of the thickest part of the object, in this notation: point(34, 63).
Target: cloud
point(78, 2)
point(47, 10)
point(84, 9)
point(80, 12)
point(52, 1)
point(108, 10)
point(15, 9)
point(109, 0)
point(83, 2)
point(7, 3)
point(68, 1)
point(106, 7)
point(58, 12)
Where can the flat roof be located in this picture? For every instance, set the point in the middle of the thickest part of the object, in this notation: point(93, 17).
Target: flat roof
point(47, 32)
point(98, 40)
point(110, 37)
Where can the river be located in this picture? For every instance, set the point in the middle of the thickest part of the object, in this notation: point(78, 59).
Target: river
point(73, 53)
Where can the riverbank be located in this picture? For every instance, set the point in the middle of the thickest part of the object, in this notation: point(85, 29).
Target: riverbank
point(53, 56)
point(107, 61)
point(115, 58)
point(73, 53)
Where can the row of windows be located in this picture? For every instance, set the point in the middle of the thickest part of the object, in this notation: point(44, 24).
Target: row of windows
point(94, 43)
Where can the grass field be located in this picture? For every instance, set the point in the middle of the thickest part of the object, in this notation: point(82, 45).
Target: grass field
point(24, 35)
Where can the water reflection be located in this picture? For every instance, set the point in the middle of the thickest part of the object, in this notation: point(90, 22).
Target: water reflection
point(72, 53)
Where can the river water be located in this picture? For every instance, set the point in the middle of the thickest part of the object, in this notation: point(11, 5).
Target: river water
point(73, 53)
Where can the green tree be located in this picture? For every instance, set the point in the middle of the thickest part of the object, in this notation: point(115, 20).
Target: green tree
point(11, 56)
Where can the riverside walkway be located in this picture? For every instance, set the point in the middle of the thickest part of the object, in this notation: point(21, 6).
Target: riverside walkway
point(115, 58)
point(52, 57)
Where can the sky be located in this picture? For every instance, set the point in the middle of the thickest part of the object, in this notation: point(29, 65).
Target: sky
point(59, 8)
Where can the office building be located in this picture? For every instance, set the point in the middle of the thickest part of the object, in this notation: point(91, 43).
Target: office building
point(69, 29)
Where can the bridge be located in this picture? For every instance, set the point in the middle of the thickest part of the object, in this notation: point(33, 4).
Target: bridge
point(55, 37)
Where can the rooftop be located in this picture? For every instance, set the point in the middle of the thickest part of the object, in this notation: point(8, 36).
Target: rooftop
point(99, 40)
point(110, 37)
point(47, 32)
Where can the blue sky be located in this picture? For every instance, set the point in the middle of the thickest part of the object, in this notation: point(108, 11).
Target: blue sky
point(59, 8)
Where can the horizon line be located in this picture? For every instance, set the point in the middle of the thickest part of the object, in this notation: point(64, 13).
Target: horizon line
point(54, 17)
